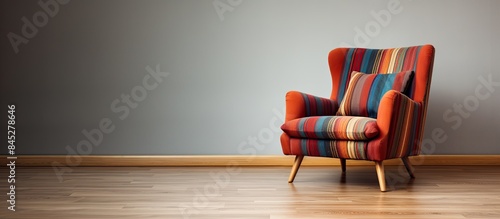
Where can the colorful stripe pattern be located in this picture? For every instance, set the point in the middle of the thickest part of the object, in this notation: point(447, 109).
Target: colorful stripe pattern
point(327, 148)
point(319, 106)
point(332, 127)
point(365, 91)
point(400, 124)
point(376, 61)
point(406, 127)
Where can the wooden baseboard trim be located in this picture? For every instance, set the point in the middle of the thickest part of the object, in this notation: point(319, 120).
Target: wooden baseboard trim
point(239, 160)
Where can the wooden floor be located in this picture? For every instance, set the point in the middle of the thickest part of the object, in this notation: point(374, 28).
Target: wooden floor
point(254, 192)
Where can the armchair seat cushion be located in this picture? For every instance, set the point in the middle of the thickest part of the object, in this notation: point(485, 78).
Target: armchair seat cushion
point(332, 127)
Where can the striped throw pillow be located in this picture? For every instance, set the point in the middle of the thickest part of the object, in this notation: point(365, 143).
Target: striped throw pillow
point(365, 92)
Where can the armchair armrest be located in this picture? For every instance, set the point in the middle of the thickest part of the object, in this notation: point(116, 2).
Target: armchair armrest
point(300, 105)
point(400, 121)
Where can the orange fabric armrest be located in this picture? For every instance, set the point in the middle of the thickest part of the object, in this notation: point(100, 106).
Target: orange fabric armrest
point(300, 105)
point(399, 122)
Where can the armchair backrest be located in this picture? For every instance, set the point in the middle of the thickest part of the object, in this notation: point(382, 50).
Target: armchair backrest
point(420, 59)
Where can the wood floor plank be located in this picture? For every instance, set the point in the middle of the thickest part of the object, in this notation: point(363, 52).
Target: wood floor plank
point(254, 192)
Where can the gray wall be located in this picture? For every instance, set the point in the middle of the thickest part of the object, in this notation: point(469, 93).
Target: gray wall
point(228, 74)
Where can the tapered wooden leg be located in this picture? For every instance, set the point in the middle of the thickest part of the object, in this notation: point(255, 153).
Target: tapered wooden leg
point(343, 164)
point(381, 175)
point(295, 167)
point(409, 168)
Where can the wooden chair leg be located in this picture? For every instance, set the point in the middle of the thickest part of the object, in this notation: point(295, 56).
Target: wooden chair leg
point(343, 164)
point(381, 175)
point(409, 168)
point(295, 167)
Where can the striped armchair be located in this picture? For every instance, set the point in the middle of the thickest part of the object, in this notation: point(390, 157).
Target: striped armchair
point(376, 110)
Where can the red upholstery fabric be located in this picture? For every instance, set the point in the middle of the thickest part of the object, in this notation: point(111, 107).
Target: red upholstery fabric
point(400, 118)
